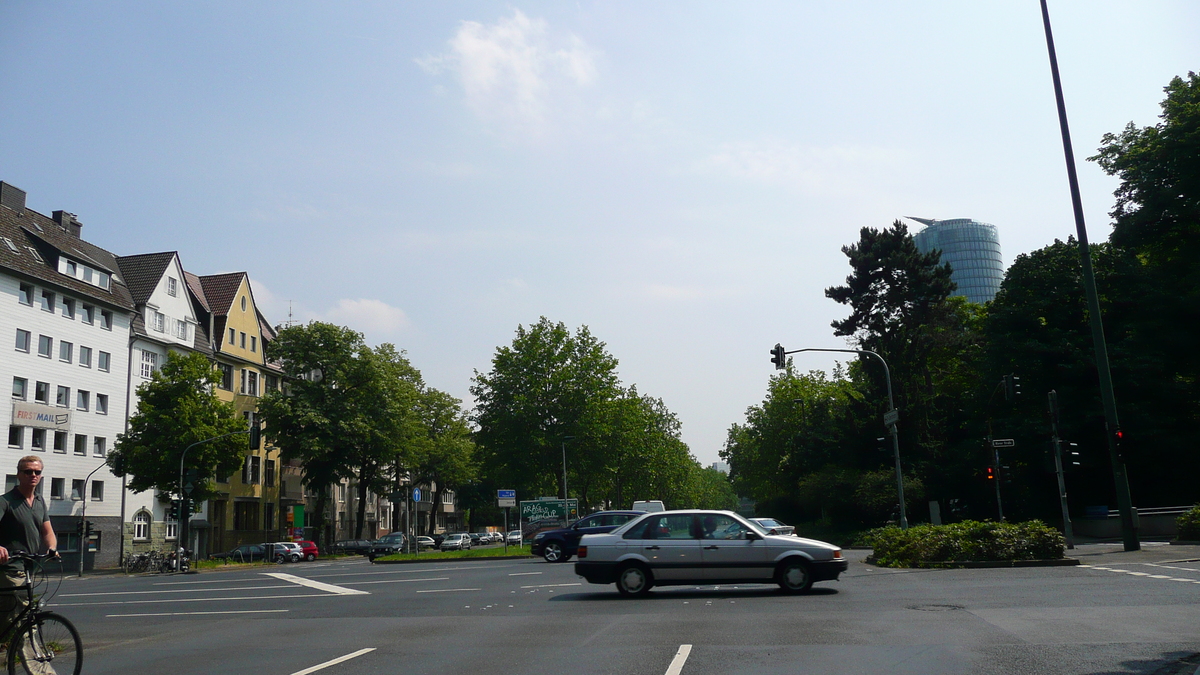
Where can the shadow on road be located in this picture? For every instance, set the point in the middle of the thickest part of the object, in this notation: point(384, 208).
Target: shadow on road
point(687, 593)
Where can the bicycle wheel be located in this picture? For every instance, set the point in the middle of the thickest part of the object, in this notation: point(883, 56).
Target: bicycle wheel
point(49, 644)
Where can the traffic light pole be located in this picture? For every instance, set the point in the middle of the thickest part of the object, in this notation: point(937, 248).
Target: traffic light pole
point(891, 418)
point(1052, 401)
point(83, 523)
point(184, 499)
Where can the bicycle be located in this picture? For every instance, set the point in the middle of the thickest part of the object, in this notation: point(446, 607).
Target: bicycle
point(40, 642)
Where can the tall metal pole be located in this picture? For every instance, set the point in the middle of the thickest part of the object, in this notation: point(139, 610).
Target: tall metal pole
point(564, 455)
point(83, 518)
point(1052, 401)
point(1111, 423)
point(892, 417)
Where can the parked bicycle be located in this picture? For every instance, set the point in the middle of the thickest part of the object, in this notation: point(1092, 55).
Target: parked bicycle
point(40, 642)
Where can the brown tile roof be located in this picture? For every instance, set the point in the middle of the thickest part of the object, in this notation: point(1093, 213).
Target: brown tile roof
point(143, 272)
point(197, 289)
point(220, 290)
point(32, 230)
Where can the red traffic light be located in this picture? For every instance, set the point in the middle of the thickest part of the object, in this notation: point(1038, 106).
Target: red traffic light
point(991, 473)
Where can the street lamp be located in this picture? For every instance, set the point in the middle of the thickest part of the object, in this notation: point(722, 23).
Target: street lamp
point(891, 418)
point(83, 535)
point(564, 454)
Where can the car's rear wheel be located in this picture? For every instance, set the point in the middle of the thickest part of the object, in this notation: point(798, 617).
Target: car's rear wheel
point(634, 580)
point(793, 576)
point(280, 559)
point(553, 552)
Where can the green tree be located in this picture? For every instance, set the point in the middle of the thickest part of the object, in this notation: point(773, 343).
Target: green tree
point(443, 454)
point(176, 408)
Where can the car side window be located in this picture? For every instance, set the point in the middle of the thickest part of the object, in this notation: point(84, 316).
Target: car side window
point(670, 527)
point(639, 531)
point(721, 527)
point(622, 518)
point(590, 521)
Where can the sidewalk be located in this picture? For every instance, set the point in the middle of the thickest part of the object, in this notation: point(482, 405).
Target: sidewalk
point(1112, 552)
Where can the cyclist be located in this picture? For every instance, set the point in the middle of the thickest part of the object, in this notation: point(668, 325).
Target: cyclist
point(24, 527)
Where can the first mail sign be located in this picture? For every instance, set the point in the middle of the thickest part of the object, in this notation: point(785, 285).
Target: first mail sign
point(40, 416)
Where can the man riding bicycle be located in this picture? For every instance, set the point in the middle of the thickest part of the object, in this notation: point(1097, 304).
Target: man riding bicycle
point(24, 527)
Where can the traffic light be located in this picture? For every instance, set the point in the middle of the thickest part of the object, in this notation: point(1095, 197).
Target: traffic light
point(1119, 436)
point(173, 511)
point(88, 530)
point(255, 434)
point(1006, 475)
point(991, 473)
point(79, 528)
point(1072, 458)
point(1012, 387)
point(779, 357)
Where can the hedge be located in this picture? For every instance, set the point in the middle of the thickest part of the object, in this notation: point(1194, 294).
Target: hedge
point(1189, 525)
point(968, 541)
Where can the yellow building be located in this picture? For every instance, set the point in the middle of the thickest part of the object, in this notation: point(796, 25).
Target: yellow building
point(248, 508)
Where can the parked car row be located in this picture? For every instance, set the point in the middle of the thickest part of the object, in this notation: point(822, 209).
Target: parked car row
point(280, 552)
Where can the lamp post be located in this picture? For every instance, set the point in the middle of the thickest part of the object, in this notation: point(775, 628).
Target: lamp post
point(891, 418)
point(83, 535)
point(566, 513)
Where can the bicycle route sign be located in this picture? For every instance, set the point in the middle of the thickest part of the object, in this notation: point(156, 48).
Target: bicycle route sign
point(506, 498)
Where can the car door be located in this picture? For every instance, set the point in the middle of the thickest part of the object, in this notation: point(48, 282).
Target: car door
point(671, 547)
point(727, 552)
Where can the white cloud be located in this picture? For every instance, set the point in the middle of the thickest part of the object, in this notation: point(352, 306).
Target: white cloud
point(373, 317)
point(511, 69)
point(809, 169)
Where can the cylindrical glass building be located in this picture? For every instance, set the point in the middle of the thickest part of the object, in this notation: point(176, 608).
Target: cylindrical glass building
point(973, 250)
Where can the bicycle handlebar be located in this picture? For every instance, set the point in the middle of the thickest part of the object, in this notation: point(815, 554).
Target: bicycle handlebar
point(32, 557)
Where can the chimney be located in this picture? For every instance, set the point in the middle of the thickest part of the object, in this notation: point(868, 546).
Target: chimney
point(68, 222)
point(12, 197)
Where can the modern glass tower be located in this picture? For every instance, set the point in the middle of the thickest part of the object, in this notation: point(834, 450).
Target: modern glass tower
point(973, 250)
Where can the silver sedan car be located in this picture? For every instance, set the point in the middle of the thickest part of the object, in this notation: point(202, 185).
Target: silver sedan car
point(698, 547)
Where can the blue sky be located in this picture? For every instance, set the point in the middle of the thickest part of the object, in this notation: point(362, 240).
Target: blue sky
point(679, 177)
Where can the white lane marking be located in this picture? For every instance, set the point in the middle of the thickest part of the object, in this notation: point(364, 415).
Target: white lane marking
point(553, 585)
point(1160, 576)
point(319, 585)
point(206, 581)
point(180, 590)
point(155, 602)
point(228, 611)
point(1138, 574)
point(521, 574)
point(397, 581)
point(418, 570)
point(449, 590)
point(680, 658)
point(334, 662)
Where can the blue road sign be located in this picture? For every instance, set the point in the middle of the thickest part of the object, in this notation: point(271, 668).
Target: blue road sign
point(416, 494)
point(506, 494)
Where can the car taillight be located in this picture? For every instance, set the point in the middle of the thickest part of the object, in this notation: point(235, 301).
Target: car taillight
point(837, 554)
point(581, 552)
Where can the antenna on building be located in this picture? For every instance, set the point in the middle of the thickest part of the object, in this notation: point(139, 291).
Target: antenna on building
point(290, 323)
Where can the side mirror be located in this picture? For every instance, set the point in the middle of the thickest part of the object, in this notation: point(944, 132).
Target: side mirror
point(752, 535)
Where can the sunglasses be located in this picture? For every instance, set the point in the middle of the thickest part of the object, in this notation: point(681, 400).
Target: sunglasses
point(31, 472)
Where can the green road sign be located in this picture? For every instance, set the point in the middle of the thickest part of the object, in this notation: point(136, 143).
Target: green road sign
point(549, 509)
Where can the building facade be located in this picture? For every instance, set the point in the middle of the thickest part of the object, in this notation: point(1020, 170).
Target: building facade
point(973, 250)
point(66, 313)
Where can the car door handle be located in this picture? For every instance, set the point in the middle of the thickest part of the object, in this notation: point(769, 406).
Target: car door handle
point(652, 548)
point(711, 548)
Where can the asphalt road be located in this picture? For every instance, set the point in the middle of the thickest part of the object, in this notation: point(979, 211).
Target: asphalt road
point(1114, 615)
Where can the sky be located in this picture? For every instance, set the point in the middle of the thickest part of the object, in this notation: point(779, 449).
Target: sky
point(678, 177)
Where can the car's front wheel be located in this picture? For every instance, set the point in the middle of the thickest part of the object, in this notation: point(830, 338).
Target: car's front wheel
point(553, 552)
point(310, 557)
point(793, 576)
point(634, 580)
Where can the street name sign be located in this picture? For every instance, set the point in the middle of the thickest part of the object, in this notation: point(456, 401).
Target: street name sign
point(1003, 443)
point(506, 498)
point(891, 417)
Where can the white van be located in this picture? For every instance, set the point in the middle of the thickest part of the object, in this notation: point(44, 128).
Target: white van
point(649, 506)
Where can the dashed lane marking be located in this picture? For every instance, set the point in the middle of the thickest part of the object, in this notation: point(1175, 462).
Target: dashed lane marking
point(155, 602)
point(397, 581)
point(680, 658)
point(521, 574)
point(552, 585)
point(319, 585)
point(181, 590)
point(228, 611)
point(334, 662)
point(449, 590)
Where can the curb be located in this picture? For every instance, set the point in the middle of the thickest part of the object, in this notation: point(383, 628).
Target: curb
point(990, 564)
point(445, 560)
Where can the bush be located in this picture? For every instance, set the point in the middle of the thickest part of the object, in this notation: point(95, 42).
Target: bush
point(968, 541)
point(1189, 524)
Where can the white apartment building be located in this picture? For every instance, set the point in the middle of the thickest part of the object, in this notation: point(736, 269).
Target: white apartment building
point(65, 312)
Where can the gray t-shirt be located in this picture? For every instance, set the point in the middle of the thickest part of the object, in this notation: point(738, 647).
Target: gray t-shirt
point(21, 523)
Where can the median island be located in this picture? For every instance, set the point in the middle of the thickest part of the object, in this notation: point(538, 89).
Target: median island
point(970, 543)
point(428, 556)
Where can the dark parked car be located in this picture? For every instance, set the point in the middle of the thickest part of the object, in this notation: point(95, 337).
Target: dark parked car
point(475, 541)
point(244, 553)
point(388, 544)
point(559, 545)
point(352, 547)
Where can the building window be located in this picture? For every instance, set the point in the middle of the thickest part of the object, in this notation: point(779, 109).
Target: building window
point(63, 397)
point(88, 314)
point(103, 360)
point(68, 308)
point(269, 475)
point(26, 294)
point(254, 464)
point(141, 526)
point(226, 382)
point(101, 404)
point(97, 490)
point(85, 357)
point(252, 383)
point(243, 303)
point(245, 516)
point(180, 329)
point(41, 392)
point(10, 482)
point(60, 442)
point(232, 335)
point(16, 436)
point(81, 444)
point(242, 340)
point(57, 486)
point(23, 337)
point(99, 446)
point(172, 287)
point(39, 440)
point(243, 387)
point(172, 528)
point(149, 363)
point(47, 301)
point(45, 346)
point(253, 344)
point(20, 384)
point(158, 320)
point(272, 382)
point(76, 489)
point(83, 399)
point(106, 319)
point(65, 350)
